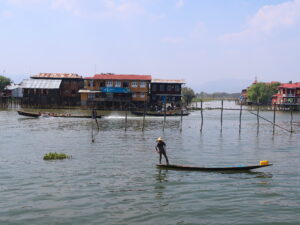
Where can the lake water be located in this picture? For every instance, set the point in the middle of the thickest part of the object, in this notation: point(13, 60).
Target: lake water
point(115, 181)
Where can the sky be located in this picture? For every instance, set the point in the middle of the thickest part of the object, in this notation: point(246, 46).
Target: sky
point(214, 45)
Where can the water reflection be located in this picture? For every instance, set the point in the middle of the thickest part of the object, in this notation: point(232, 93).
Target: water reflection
point(161, 178)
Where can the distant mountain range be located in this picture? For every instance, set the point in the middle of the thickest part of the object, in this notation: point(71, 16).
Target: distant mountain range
point(221, 86)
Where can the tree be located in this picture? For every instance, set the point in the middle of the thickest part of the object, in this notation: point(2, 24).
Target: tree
point(4, 81)
point(261, 93)
point(188, 94)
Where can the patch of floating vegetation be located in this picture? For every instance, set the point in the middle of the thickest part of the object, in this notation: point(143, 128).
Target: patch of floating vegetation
point(55, 156)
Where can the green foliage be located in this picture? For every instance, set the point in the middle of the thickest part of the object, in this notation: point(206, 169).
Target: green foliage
point(188, 94)
point(54, 156)
point(4, 81)
point(261, 93)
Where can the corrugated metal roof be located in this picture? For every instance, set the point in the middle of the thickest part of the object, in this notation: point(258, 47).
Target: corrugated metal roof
point(41, 84)
point(168, 81)
point(12, 86)
point(119, 77)
point(58, 75)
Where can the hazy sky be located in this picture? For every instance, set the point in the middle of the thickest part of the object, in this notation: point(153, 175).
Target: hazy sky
point(215, 45)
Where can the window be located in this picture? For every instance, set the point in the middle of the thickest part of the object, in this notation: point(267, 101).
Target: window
point(91, 96)
point(117, 83)
point(102, 84)
point(134, 95)
point(109, 83)
point(177, 88)
point(169, 87)
point(142, 84)
point(91, 83)
point(161, 87)
point(153, 87)
point(125, 84)
point(134, 84)
point(142, 95)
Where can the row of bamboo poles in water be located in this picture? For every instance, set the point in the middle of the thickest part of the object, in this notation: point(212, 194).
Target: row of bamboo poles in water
point(257, 114)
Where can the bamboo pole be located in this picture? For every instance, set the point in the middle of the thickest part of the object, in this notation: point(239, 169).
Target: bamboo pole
point(274, 118)
point(201, 110)
point(92, 124)
point(240, 125)
point(222, 115)
point(181, 117)
point(126, 107)
point(144, 116)
point(165, 112)
point(291, 119)
point(257, 118)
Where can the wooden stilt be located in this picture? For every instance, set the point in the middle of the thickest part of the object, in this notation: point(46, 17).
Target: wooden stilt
point(144, 116)
point(201, 111)
point(222, 115)
point(126, 117)
point(165, 112)
point(257, 118)
point(181, 112)
point(240, 125)
point(291, 108)
point(274, 118)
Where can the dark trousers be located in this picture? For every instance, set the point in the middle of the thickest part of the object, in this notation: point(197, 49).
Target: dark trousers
point(163, 152)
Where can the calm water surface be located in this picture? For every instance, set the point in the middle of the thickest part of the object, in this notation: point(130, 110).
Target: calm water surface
point(114, 180)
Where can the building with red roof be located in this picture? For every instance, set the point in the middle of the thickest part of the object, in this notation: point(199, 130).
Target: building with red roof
point(115, 90)
point(288, 95)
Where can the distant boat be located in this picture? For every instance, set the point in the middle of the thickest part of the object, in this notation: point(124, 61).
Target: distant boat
point(153, 113)
point(29, 114)
point(212, 169)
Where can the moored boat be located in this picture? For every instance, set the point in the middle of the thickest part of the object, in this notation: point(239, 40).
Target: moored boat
point(29, 114)
point(47, 114)
point(168, 113)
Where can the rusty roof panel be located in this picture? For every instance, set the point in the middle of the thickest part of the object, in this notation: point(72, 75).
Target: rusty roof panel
point(58, 75)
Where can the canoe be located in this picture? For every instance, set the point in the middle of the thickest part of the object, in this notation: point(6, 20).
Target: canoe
point(213, 169)
point(139, 113)
point(67, 115)
point(22, 113)
point(71, 116)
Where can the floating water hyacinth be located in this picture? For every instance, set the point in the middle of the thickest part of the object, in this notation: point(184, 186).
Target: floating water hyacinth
point(55, 156)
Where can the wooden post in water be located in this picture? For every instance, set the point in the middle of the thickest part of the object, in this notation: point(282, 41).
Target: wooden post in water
point(181, 117)
point(165, 112)
point(201, 110)
point(291, 119)
point(92, 123)
point(257, 118)
point(240, 126)
point(126, 107)
point(221, 115)
point(274, 116)
point(144, 116)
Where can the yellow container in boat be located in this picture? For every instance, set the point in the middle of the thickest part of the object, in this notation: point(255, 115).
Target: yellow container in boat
point(264, 163)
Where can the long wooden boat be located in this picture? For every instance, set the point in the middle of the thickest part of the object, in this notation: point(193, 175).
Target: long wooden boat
point(212, 169)
point(140, 113)
point(22, 113)
point(64, 115)
point(71, 116)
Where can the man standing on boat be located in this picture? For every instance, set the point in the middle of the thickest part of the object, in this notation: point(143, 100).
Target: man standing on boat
point(161, 149)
